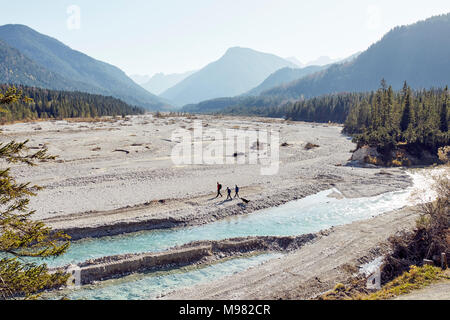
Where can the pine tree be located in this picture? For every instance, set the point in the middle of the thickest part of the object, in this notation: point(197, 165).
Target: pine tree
point(20, 236)
point(443, 126)
point(407, 115)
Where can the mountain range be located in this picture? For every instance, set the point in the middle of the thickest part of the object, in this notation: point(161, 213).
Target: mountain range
point(282, 76)
point(160, 82)
point(286, 75)
point(235, 73)
point(33, 59)
point(405, 53)
point(417, 53)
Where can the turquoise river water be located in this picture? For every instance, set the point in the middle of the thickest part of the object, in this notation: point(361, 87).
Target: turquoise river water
point(308, 215)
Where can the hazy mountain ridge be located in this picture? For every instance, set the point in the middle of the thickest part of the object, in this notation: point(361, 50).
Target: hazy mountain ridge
point(79, 71)
point(161, 82)
point(238, 71)
point(139, 78)
point(284, 75)
point(295, 61)
point(15, 68)
point(405, 53)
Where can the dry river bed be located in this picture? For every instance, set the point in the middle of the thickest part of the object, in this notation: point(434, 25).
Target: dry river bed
point(116, 175)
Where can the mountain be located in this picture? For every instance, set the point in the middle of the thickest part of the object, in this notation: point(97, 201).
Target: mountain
point(18, 69)
point(75, 70)
point(52, 104)
point(322, 61)
point(160, 82)
point(325, 60)
point(286, 75)
point(238, 71)
point(295, 61)
point(140, 79)
point(418, 53)
point(283, 76)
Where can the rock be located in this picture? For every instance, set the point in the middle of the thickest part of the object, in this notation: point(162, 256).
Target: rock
point(362, 153)
point(310, 146)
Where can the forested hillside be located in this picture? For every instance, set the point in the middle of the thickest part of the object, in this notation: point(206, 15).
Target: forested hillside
point(34, 59)
point(19, 69)
point(418, 53)
point(385, 119)
point(283, 76)
point(51, 104)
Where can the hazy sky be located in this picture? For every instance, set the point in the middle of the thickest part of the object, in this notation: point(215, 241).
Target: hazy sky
point(145, 36)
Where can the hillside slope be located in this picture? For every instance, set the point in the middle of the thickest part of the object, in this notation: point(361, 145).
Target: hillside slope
point(418, 53)
point(15, 68)
point(161, 82)
point(79, 71)
point(53, 104)
point(238, 71)
point(283, 76)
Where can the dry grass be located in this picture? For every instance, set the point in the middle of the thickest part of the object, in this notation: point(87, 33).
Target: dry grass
point(348, 291)
point(444, 154)
point(416, 278)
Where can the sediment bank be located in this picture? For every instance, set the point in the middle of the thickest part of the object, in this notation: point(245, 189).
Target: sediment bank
point(200, 252)
point(134, 219)
point(313, 269)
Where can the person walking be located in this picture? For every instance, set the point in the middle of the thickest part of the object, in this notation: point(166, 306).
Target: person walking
point(229, 194)
point(236, 191)
point(219, 188)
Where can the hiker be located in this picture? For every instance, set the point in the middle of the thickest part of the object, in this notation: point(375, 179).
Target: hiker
point(219, 188)
point(229, 194)
point(236, 191)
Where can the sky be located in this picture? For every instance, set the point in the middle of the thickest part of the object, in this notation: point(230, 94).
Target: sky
point(174, 36)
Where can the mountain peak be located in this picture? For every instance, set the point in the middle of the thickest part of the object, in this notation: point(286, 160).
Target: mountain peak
point(238, 50)
point(18, 28)
point(51, 64)
point(238, 71)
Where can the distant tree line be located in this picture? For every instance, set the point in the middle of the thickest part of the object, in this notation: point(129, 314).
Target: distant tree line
point(52, 104)
point(326, 108)
point(415, 119)
point(384, 118)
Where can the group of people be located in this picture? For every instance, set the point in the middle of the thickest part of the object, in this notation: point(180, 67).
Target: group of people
point(219, 189)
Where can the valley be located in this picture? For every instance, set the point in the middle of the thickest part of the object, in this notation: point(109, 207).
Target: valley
point(189, 151)
point(115, 177)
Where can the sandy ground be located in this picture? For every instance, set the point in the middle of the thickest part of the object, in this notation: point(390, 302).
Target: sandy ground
point(93, 185)
point(312, 270)
point(118, 176)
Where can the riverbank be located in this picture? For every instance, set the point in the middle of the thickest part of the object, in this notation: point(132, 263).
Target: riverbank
point(196, 254)
point(313, 269)
point(116, 176)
